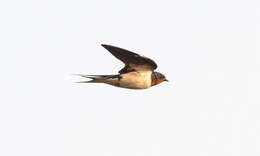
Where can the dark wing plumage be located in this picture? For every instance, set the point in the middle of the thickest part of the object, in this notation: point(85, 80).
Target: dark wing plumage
point(132, 61)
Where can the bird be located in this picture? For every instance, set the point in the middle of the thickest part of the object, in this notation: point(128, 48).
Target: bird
point(138, 72)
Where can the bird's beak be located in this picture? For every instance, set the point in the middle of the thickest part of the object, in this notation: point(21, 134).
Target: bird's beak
point(166, 80)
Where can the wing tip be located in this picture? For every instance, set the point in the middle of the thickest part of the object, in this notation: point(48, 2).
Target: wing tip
point(105, 45)
point(110, 48)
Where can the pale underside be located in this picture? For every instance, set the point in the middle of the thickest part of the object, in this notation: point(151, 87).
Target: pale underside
point(132, 80)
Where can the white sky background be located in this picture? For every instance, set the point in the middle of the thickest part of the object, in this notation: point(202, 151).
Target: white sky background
point(211, 49)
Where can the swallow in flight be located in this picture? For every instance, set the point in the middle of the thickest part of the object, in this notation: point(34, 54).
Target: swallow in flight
point(138, 72)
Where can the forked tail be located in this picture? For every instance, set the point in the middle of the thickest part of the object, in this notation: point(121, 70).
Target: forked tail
point(97, 78)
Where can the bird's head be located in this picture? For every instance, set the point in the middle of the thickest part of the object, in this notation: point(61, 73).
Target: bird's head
point(158, 78)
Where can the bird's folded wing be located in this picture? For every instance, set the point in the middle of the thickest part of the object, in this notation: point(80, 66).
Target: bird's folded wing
point(132, 61)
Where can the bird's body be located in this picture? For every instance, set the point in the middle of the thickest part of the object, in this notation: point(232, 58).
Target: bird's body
point(137, 74)
point(132, 80)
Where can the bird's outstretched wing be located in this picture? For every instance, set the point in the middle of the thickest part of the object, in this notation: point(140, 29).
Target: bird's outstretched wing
point(132, 61)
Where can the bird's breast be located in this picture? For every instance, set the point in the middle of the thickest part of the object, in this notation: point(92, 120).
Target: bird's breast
point(136, 80)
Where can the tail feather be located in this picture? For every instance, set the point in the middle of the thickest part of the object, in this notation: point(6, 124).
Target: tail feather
point(96, 78)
